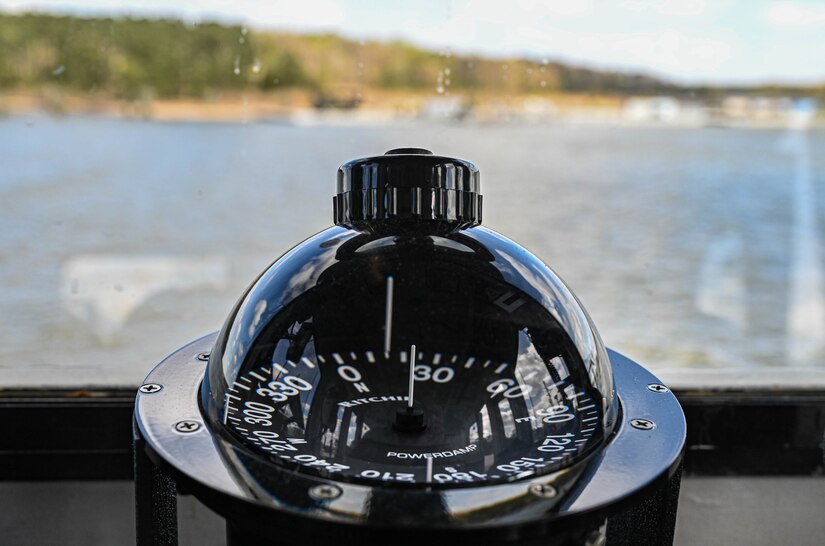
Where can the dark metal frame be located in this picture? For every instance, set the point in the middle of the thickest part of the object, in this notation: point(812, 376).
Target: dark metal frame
point(754, 432)
point(54, 435)
point(72, 434)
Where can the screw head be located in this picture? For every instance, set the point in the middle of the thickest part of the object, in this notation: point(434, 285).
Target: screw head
point(642, 424)
point(325, 491)
point(658, 387)
point(203, 357)
point(187, 427)
point(543, 490)
point(150, 388)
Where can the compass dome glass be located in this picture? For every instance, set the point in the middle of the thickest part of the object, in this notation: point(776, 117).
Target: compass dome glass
point(411, 349)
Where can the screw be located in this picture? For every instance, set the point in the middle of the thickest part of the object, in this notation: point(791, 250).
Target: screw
point(325, 492)
point(203, 357)
point(642, 424)
point(149, 388)
point(543, 490)
point(656, 387)
point(187, 427)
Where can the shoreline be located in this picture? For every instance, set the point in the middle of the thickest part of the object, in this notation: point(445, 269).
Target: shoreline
point(295, 107)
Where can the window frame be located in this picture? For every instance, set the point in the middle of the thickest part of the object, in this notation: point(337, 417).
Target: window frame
point(86, 434)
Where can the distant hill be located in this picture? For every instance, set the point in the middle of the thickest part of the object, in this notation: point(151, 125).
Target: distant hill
point(139, 58)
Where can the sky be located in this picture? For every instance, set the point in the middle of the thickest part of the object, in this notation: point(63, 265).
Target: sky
point(687, 41)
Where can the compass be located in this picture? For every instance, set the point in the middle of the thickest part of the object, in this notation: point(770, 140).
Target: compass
point(406, 375)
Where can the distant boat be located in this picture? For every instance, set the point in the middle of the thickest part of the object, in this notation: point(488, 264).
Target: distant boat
point(328, 100)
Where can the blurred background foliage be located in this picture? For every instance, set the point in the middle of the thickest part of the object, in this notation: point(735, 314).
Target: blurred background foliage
point(146, 58)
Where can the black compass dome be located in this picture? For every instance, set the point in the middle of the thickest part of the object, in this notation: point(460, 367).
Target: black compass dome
point(407, 282)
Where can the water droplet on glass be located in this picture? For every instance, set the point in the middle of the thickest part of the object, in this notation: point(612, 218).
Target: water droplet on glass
point(59, 70)
point(545, 62)
point(447, 71)
point(439, 89)
point(237, 69)
point(256, 66)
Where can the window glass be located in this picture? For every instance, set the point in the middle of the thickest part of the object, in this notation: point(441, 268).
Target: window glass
point(667, 159)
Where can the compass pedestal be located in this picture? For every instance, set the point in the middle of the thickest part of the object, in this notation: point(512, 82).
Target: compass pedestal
point(651, 521)
point(156, 503)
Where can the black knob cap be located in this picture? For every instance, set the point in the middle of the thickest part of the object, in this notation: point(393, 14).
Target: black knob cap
point(408, 151)
point(408, 184)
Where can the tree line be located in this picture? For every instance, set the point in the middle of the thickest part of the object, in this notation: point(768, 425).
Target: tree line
point(132, 58)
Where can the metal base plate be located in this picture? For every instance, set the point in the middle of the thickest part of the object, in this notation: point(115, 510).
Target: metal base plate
point(645, 451)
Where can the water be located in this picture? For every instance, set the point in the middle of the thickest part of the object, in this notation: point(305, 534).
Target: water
point(121, 240)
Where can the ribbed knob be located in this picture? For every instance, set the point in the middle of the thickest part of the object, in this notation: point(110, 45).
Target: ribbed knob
point(408, 183)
